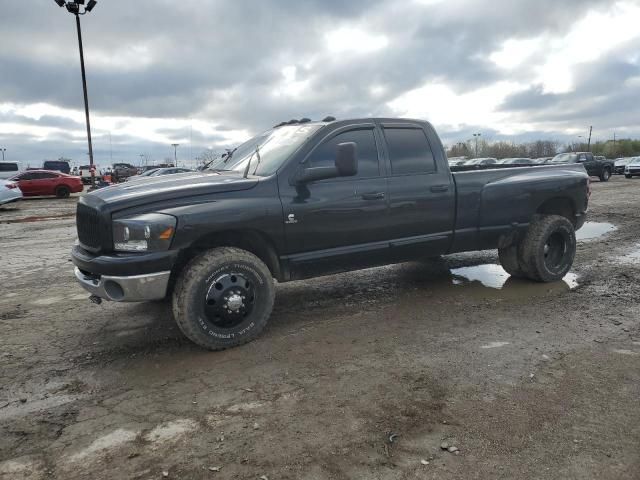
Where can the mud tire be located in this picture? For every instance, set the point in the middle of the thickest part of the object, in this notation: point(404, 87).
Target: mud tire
point(547, 251)
point(510, 262)
point(198, 277)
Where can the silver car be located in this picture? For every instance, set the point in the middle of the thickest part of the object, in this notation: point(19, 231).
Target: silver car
point(9, 192)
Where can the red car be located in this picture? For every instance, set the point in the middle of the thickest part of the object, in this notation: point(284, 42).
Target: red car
point(44, 182)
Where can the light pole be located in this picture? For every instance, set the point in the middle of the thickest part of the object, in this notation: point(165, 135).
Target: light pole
point(476, 136)
point(3, 150)
point(175, 153)
point(74, 9)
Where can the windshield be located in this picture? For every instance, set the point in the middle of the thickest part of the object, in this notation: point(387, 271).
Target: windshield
point(274, 147)
point(635, 161)
point(565, 158)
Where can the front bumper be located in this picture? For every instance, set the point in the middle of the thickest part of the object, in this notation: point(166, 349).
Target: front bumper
point(138, 288)
point(124, 277)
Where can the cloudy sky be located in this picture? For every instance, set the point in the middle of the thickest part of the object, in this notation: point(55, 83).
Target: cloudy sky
point(208, 74)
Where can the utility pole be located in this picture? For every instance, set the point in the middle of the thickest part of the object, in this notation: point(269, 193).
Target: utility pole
point(589, 144)
point(175, 153)
point(615, 152)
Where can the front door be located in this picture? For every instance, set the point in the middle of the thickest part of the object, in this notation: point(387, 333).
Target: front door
point(421, 192)
point(590, 164)
point(26, 183)
point(338, 220)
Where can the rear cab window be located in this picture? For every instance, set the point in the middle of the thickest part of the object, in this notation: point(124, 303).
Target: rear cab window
point(409, 150)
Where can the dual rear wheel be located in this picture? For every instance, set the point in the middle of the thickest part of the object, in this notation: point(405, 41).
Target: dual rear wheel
point(545, 253)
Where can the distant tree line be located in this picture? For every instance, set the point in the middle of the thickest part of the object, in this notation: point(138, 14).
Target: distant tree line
point(542, 148)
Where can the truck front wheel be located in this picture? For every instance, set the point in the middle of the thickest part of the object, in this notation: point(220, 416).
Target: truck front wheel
point(223, 298)
point(547, 250)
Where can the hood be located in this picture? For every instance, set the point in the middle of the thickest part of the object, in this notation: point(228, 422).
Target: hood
point(167, 187)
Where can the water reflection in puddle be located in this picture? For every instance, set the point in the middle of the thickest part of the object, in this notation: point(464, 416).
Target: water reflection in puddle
point(494, 276)
point(593, 230)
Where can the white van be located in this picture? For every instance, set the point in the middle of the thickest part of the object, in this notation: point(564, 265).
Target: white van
point(9, 169)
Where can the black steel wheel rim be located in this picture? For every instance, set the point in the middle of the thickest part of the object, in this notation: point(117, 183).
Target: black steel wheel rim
point(555, 251)
point(229, 299)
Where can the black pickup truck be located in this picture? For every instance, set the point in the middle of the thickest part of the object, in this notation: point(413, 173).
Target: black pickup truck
point(595, 166)
point(311, 198)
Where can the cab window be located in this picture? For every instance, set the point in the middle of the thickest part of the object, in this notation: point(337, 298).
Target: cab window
point(368, 164)
point(409, 151)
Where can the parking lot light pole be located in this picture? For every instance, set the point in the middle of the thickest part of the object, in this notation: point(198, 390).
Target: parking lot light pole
point(3, 150)
point(175, 153)
point(73, 7)
point(476, 136)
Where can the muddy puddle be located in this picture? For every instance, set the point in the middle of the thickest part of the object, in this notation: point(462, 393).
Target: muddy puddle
point(493, 276)
point(594, 230)
point(484, 281)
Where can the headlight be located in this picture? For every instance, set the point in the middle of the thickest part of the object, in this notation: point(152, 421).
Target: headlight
point(143, 233)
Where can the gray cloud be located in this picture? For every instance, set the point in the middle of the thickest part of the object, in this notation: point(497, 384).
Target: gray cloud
point(222, 61)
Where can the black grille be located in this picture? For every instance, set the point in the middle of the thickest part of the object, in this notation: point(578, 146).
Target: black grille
point(89, 227)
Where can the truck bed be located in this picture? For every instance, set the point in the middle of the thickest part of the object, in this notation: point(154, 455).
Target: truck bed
point(498, 201)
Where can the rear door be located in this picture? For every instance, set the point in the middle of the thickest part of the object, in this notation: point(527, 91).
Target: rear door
point(421, 191)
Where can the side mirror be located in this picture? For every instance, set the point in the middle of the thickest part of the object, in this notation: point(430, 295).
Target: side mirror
point(346, 165)
point(347, 159)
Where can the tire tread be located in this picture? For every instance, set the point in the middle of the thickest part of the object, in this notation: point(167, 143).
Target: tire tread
point(203, 262)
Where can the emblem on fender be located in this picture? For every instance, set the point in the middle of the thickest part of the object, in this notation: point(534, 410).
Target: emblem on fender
point(291, 219)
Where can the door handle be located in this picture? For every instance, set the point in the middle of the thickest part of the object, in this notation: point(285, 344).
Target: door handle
point(439, 188)
point(373, 196)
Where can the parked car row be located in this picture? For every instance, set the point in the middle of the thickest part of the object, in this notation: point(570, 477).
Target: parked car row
point(156, 172)
point(632, 168)
point(596, 166)
point(460, 161)
point(9, 192)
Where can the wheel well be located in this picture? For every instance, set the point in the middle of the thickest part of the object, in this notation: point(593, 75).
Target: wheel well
point(251, 241)
point(559, 206)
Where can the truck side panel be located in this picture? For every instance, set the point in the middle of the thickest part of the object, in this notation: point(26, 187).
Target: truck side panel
point(494, 206)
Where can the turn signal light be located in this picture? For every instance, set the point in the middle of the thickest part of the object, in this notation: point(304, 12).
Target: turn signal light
point(167, 234)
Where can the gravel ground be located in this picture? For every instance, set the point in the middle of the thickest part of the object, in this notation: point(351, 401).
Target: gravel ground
point(360, 375)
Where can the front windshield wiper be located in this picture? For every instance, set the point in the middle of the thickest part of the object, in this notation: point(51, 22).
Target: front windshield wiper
point(225, 158)
point(257, 153)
